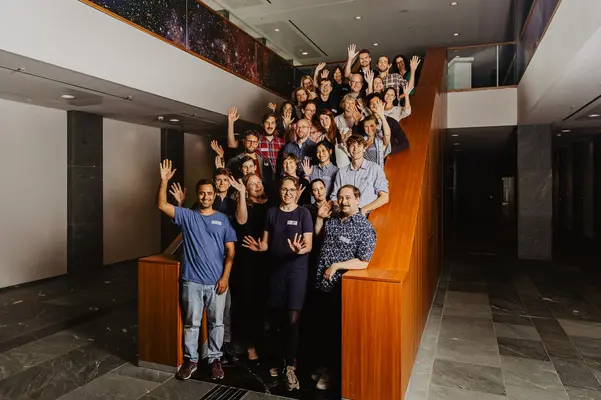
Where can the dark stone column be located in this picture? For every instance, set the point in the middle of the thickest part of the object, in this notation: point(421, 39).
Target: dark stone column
point(172, 148)
point(84, 191)
point(535, 196)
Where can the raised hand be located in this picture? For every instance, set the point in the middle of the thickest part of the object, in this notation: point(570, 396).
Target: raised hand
point(307, 168)
point(324, 74)
point(299, 193)
point(217, 148)
point(287, 118)
point(414, 63)
point(320, 66)
point(238, 185)
point(166, 169)
point(346, 133)
point(297, 245)
point(250, 243)
point(325, 210)
point(219, 162)
point(356, 114)
point(369, 77)
point(272, 107)
point(312, 95)
point(178, 194)
point(352, 52)
point(380, 109)
point(232, 115)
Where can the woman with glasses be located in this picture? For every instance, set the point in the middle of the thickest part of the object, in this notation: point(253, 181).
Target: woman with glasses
point(291, 167)
point(288, 239)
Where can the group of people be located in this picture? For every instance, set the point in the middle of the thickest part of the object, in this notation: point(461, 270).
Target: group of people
point(272, 232)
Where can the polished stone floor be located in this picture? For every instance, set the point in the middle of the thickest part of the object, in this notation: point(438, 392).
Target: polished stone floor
point(511, 330)
point(74, 338)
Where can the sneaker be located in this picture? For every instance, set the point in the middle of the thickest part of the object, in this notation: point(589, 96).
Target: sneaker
point(229, 352)
point(291, 379)
point(318, 373)
point(324, 382)
point(273, 372)
point(186, 370)
point(216, 370)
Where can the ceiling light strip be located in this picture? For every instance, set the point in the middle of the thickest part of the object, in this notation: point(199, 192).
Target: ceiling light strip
point(582, 108)
point(308, 38)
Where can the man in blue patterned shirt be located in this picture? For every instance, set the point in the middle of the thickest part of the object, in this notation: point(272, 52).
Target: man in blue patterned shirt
point(348, 244)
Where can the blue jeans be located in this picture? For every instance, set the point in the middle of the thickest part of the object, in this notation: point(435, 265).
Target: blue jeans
point(196, 296)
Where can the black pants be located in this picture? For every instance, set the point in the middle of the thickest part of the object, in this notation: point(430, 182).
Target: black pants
point(328, 332)
point(281, 336)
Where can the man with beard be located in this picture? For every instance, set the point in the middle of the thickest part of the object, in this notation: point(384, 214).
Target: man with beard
point(367, 176)
point(364, 63)
point(303, 148)
point(204, 275)
point(349, 241)
point(269, 144)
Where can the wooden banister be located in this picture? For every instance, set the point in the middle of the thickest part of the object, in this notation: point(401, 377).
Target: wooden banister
point(385, 307)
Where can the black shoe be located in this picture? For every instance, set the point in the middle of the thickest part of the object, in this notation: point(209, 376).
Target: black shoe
point(229, 352)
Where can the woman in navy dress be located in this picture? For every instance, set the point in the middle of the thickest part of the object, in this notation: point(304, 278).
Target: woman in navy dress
point(288, 238)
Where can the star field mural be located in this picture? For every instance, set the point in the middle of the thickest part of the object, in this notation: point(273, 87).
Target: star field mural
point(193, 26)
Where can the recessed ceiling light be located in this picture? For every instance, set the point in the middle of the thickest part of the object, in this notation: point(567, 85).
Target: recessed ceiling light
point(566, 130)
point(559, 135)
point(594, 115)
point(455, 135)
point(68, 96)
point(277, 29)
point(358, 17)
point(455, 34)
point(375, 44)
point(454, 3)
point(455, 144)
point(174, 120)
point(305, 53)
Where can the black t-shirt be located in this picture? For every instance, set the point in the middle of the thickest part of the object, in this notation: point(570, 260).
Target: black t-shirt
point(329, 104)
point(283, 225)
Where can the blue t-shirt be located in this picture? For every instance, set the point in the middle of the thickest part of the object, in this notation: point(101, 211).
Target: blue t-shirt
point(204, 244)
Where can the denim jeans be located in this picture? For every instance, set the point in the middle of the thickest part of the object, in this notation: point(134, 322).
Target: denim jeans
point(227, 318)
point(196, 296)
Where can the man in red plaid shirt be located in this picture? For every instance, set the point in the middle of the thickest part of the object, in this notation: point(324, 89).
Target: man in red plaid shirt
point(270, 144)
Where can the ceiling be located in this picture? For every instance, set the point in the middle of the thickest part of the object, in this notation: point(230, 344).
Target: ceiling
point(29, 81)
point(495, 139)
point(324, 28)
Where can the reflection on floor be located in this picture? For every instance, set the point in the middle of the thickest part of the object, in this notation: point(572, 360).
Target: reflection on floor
point(75, 339)
point(511, 330)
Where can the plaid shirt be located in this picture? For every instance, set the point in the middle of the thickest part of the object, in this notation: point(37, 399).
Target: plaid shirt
point(394, 80)
point(270, 150)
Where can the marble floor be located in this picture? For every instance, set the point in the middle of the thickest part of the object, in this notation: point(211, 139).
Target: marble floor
point(74, 338)
point(511, 330)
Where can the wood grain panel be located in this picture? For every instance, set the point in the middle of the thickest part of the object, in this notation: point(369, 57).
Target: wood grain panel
point(381, 336)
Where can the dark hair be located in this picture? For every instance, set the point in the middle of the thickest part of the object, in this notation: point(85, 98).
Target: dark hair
point(368, 118)
point(395, 101)
point(325, 80)
point(317, 180)
point(357, 139)
point(204, 182)
point(387, 58)
point(281, 109)
point(306, 103)
point(363, 51)
point(341, 71)
point(249, 133)
point(296, 91)
point(290, 156)
point(267, 116)
point(243, 160)
point(394, 68)
point(355, 190)
point(222, 171)
point(289, 178)
point(371, 96)
point(333, 133)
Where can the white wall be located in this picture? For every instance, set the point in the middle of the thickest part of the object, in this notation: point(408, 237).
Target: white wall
point(476, 108)
point(199, 163)
point(33, 205)
point(75, 36)
point(132, 224)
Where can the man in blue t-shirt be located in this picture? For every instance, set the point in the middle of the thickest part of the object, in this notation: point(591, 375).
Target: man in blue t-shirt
point(208, 238)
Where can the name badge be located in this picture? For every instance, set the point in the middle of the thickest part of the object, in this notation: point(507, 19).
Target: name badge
point(266, 164)
point(214, 222)
point(345, 240)
point(295, 223)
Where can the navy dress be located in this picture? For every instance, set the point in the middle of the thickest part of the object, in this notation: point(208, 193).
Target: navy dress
point(289, 271)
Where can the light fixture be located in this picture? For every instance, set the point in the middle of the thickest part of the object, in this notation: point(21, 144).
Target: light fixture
point(305, 53)
point(566, 130)
point(67, 96)
point(454, 3)
point(455, 34)
point(375, 44)
point(174, 120)
point(594, 115)
point(455, 144)
point(277, 29)
point(455, 135)
point(559, 135)
point(358, 17)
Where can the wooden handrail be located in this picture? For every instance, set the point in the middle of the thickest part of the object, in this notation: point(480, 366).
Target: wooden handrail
point(385, 307)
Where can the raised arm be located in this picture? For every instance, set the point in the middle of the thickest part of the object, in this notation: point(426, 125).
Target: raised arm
point(323, 213)
point(319, 67)
point(385, 125)
point(178, 193)
point(413, 64)
point(167, 173)
point(352, 53)
point(232, 117)
point(241, 209)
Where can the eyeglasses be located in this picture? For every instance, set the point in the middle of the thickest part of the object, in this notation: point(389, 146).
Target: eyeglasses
point(304, 127)
point(284, 190)
point(358, 82)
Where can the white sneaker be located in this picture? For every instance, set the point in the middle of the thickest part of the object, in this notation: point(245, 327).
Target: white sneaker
point(324, 382)
point(291, 379)
point(318, 373)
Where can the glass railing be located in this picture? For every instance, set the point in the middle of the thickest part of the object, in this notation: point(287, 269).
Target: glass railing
point(485, 66)
point(197, 29)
